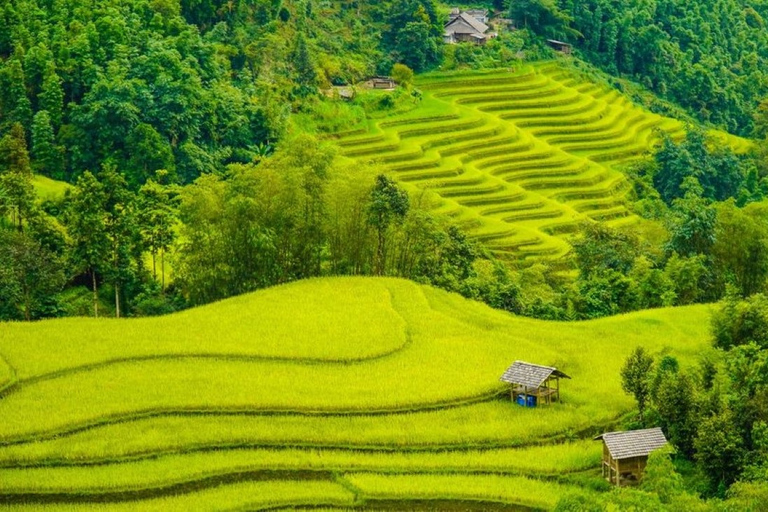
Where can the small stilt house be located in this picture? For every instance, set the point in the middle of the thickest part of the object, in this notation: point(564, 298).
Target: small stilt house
point(533, 384)
point(625, 454)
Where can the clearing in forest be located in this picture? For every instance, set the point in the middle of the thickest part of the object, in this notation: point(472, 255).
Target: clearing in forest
point(518, 157)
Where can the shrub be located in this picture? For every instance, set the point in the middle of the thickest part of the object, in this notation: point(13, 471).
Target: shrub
point(402, 74)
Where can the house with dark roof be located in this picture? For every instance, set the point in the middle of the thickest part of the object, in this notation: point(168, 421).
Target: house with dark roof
point(464, 27)
point(533, 384)
point(625, 454)
point(480, 15)
point(560, 46)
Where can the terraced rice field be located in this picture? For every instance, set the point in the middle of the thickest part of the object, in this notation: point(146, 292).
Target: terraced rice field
point(518, 157)
point(344, 393)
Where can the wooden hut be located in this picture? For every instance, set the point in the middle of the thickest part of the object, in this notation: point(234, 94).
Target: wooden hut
point(625, 454)
point(560, 46)
point(533, 384)
point(382, 82)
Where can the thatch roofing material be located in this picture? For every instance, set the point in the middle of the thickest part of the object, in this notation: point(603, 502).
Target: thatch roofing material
point(633, 443)
point(529, 374)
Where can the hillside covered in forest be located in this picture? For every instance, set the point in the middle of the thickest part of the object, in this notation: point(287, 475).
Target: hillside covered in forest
point(324, 228)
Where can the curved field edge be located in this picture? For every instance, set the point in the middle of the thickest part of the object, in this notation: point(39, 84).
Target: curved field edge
point(523, 491)
point(248, 495)
point(484, 426)
point(314, 321)
point(7, 375)
point(169, 472)
point(453, 359)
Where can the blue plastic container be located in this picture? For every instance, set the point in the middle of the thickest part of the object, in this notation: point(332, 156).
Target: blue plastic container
point(526, 400)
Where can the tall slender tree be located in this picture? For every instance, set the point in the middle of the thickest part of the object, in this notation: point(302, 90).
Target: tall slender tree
point(121, 231)
point(87, 227)
point(635, 377)
point(16, 176)
point(157, 216)
point(389, 203)
point(48, 157)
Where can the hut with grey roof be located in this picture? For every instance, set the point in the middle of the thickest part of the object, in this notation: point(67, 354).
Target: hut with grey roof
point(533, 384)
point(466, 28)
point(560, 46)
point(625, 454)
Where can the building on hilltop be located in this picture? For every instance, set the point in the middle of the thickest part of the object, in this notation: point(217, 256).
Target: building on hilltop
point(625, 454)
point(463, 27)
point(533, 384)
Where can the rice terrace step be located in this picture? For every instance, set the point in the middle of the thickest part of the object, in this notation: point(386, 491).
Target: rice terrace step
point(547, 122)
point(162, 414)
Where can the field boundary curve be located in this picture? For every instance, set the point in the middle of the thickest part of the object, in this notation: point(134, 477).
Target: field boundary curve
point(553, 439)
point(171, 488)
point(148, 413)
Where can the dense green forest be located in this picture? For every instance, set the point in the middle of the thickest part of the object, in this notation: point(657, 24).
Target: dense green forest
point(130, 100)
point(709, 57)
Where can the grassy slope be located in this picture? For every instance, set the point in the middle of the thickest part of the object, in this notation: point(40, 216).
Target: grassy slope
point(48, 189)
point(517, 157)
point(456, 352)
point(92, 391)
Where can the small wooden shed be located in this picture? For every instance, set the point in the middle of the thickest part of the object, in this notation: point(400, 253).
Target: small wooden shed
point(560, 46)
point(533, 384)
point(625, 454)
point(382, 82)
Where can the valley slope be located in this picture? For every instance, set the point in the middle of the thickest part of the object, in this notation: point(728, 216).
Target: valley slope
point(342, 392)
point(518, 157)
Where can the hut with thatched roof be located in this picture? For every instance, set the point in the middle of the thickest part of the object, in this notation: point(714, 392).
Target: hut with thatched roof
point(533, 384)
point(625, 454)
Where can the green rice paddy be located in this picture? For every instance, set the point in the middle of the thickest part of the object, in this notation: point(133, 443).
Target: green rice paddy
point(372, 393)
point(518, 157)
point(361, 393)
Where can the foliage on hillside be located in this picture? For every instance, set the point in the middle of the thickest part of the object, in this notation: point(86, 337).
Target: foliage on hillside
point(183, 86)
point(715, 413)
point(707, 56)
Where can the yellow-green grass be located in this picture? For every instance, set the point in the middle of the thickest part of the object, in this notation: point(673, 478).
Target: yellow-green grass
point(49, 189)
point(526, 492)
point(374, 375)
point(284, 322)
point(237, 496)
point(442, 355)
point(475, 128)
point(7, 374)
point(484, 425)
point(190, 468)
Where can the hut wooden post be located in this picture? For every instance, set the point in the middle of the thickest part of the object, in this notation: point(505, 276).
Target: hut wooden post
point(628, 452)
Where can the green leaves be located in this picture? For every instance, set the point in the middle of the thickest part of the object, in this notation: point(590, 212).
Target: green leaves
point(635, 377)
